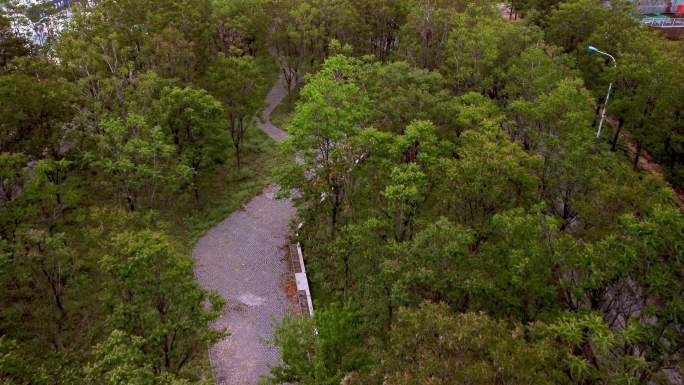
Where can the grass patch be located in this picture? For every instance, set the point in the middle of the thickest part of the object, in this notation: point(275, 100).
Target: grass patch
point(280, 117)
point(222, 192)
point(227, 188)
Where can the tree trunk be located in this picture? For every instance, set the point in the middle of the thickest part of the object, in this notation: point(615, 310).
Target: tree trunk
point(597, 112)
point(621, 122)
point(237, 157)
point(335, 210)
point(195, 189)
point(176, 138)
point(398, 229)
point(637, 154)
point(289, 80)
point(237, 133)
point(390, 310)
point(131, 203)
point(346, 274)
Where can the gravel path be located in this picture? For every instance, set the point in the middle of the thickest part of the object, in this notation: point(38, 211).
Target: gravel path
point(243, 258)
point(277, 94)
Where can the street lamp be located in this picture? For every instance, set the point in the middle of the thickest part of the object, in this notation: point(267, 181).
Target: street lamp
point(591, 48)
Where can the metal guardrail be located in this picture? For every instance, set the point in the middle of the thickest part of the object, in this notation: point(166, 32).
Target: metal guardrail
point(303, 282)
point(663, 22)
point(304, 301)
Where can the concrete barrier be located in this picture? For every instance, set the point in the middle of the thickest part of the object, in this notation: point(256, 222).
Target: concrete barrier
point(302, 281)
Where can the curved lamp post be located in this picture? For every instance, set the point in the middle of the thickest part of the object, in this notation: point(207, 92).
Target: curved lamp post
point(591, 48)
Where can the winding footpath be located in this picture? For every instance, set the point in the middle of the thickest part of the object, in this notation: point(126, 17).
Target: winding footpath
point(243, 258)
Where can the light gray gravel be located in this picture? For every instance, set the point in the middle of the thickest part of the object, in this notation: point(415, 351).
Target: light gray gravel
point(243, 258)
point(274, 97)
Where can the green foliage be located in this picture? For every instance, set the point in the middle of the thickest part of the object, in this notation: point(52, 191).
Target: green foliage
point(404, 194)
point(555, 127)
point(436, 266)
point(136, 159)
point(243, 25)
point(323, 130)
point(486, 191)
point(453, 193)
point(333, 106)
point(109, 113)
point(13, 175)
point(424, 35)
point(321, 350)
point(125, 37)
point(521, 252)
point(120, 361)
point(12, 45)
point(534, 72)
point(33, 114)
point(150, 293)
point(646, 97)
point(430, 345)
point(490, 175)
point(240, 85)
point(194, 121)
point(401, 93)
point(573, 22)
point(479, 46)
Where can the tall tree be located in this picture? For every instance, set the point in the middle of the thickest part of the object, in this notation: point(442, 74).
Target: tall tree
point(573, 22)
point(430, 345)
point(35, 112)
point(242, 25)
point(479, 46)
point(331, 114)
point(424, 35)
point(321, 350)
point(151, 294)
point(402, 93)
point(239, 84)
point(12, 45)
point(194, 121)
point(136, 158)
point(491, 174)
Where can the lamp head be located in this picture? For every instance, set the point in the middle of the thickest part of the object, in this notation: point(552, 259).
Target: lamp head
point(591, 48)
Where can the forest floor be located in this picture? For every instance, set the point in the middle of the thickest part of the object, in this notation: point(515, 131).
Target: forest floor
point(646, 162)
point(228, 189)
point(244, 259)
point(281, 115)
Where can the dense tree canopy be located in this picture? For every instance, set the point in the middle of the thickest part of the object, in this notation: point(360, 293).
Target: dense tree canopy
point(458, 204)
point(462, 223)
point(106, 136)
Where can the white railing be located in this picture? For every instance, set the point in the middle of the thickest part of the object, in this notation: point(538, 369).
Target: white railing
point(301, 279)
point(662, 22)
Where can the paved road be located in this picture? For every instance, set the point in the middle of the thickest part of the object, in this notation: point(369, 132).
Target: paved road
point(243, 259)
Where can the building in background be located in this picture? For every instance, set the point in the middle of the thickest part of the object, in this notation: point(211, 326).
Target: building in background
point(665, 15)
point(53, 17)
point(61, 3)
point(657, 7)
point(38, 20)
